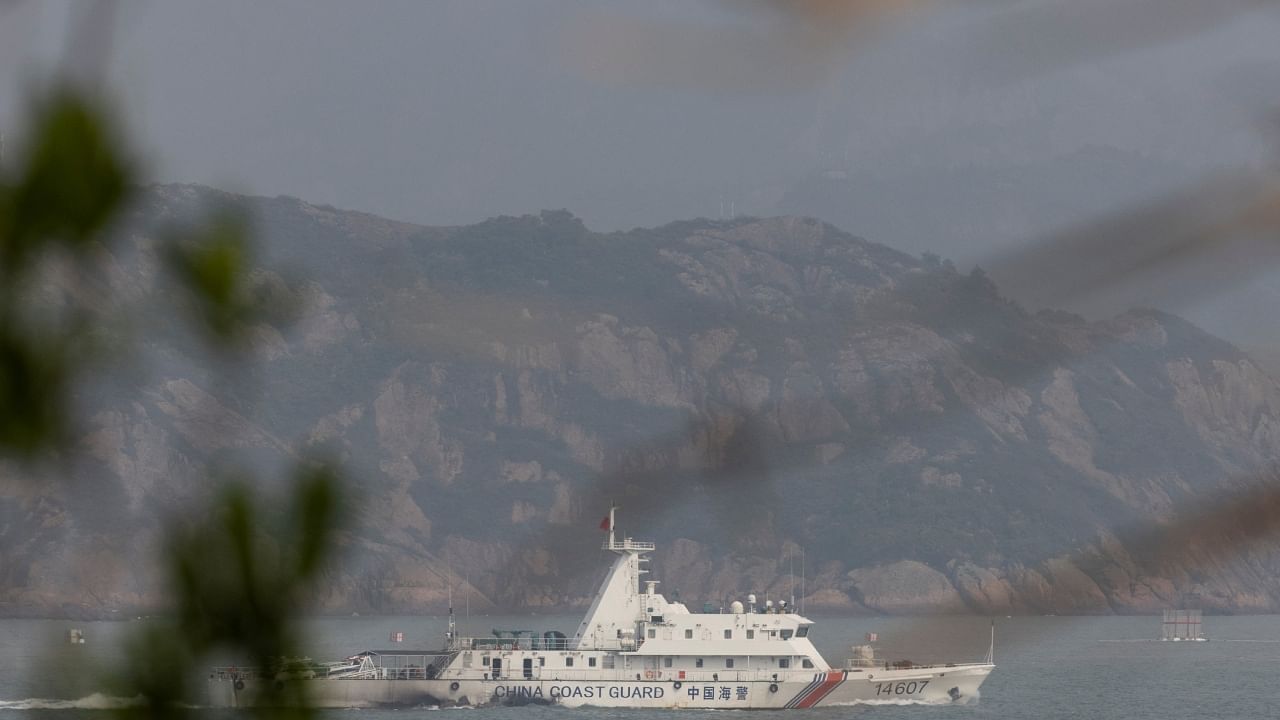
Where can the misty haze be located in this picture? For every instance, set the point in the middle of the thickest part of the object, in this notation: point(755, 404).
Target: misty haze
point(324, 324)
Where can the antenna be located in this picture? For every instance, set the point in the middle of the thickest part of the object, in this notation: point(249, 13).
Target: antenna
point(791, 570)
point(802, 592)
point(450, 634)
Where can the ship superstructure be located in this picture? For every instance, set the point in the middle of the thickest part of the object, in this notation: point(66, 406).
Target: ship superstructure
point(633, 648)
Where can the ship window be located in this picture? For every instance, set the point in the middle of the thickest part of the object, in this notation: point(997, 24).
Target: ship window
point(807, 663)
point(653, 633)
point(542, 662)
point(784, 662)
point(608, 662)
point(802, 631)
point(751, 634)
point(568, 662)
point(728, 634)
point(688, 634)
point(485, 661)
point(591, 662)
point(728, 662)
point(666, 662)
point(786, 634)
point(697, 663)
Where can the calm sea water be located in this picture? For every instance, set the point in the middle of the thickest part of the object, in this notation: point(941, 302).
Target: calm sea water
point(1048, 667)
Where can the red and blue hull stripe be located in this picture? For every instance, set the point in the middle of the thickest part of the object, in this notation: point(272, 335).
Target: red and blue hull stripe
point(814, 692)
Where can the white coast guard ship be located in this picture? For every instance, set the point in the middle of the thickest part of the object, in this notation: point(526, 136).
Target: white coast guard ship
point(634, 648)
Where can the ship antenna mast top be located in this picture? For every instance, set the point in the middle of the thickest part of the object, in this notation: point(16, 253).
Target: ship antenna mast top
point(791, 572)
point(451, 634)
point(626, 544)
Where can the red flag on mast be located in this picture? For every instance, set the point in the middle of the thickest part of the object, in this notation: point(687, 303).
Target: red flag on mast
point(604, 524)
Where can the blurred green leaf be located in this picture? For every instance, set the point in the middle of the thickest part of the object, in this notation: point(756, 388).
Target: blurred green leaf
point(158, 671)
point(212, 266)
point(240, 577)
point(316, 514)
point(73, 182)
point(69, 188)
point(34, 376)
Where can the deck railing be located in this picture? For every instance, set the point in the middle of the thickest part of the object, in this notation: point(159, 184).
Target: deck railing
point(659, 675)
point(542, 644)
point(629, 544)
point(542, 673)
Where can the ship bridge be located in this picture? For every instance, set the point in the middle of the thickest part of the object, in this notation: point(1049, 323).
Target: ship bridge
point(637, 622)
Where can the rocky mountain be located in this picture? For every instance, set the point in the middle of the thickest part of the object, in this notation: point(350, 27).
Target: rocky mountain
point(759, 395)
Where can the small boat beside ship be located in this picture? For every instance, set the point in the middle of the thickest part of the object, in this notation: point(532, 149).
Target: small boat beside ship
point(634, 648)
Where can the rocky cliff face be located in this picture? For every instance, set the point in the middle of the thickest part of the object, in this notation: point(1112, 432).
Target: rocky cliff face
point(759, 396)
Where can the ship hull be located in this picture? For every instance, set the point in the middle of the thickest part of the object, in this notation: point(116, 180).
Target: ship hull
point(912, 685)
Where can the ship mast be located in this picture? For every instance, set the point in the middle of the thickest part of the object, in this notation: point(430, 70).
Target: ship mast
point(451, 633)
point(617, 606)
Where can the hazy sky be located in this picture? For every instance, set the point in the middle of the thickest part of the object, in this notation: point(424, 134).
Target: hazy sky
point(631, 113)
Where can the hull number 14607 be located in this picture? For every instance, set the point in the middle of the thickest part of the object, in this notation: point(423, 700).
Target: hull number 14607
point(910, 687)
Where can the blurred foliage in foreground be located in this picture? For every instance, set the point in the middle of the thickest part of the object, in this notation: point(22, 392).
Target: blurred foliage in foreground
point(238, 579)
point(240, 574)
point(69, 186)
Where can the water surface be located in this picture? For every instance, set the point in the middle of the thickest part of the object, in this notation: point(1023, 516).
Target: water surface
point(1048, 667)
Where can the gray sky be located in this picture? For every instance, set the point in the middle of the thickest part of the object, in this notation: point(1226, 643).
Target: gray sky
point(641, 113)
